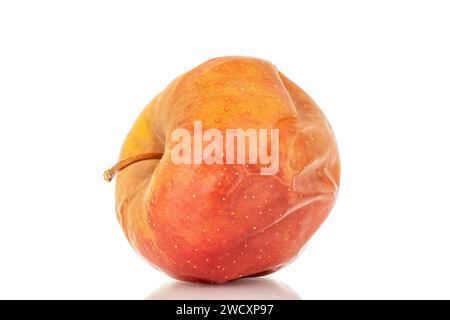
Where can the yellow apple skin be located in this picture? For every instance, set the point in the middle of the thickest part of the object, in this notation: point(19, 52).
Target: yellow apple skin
point(220, 222)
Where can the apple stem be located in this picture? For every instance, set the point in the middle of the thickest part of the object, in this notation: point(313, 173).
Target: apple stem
point(109, 174)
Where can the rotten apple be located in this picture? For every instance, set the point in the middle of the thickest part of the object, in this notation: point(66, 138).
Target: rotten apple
point(227, 173)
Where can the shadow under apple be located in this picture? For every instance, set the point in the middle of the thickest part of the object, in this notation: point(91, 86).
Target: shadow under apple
point(243, 289)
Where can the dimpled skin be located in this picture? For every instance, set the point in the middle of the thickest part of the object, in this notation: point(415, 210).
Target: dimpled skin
point(219, 222)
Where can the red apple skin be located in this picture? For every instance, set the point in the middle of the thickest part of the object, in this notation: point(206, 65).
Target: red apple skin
point(216, 223)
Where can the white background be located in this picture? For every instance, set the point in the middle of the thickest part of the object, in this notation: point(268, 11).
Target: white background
point(75, 74)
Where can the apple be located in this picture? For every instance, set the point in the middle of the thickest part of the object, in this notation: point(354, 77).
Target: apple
point(204, 204)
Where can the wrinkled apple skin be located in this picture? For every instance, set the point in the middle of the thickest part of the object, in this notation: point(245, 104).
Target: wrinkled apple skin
point(216, 223)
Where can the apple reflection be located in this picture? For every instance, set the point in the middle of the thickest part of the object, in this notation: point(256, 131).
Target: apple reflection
point(243, 289)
